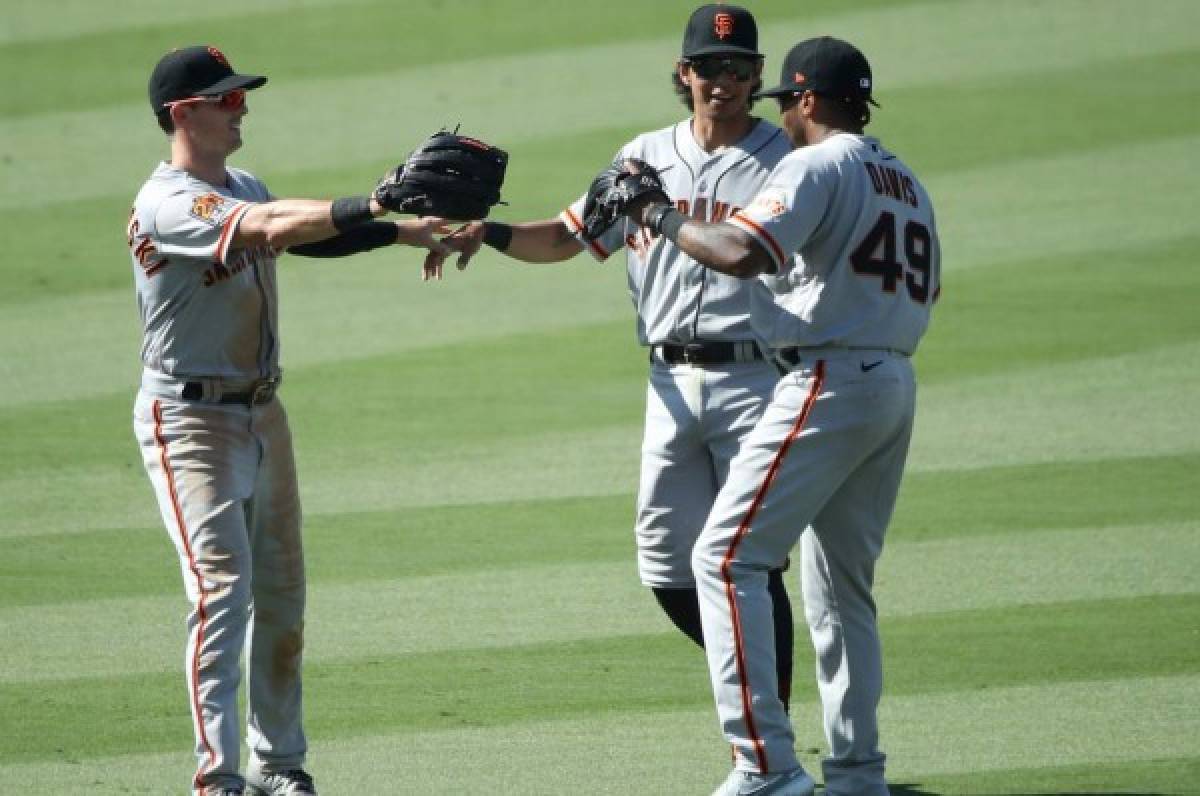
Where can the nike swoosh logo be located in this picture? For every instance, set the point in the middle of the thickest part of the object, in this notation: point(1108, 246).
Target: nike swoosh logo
point(871, 366)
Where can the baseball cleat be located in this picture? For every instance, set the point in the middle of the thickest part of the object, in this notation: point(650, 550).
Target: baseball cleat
point(292, 782)
point(793, 782)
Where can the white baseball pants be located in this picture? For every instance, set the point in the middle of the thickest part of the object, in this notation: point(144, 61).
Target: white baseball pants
point(696, 419)
point(828, 453)
point(226, 485)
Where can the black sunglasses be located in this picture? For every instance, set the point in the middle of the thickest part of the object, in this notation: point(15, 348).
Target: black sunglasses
point(710, 68)
point(791, 98)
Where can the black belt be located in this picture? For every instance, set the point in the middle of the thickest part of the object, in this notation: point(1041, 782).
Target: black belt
point(794, 355)
point(261, 392)
point(715, 353)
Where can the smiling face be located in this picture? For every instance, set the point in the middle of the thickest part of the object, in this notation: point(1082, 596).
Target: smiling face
point(720, 85)
point(213, 128)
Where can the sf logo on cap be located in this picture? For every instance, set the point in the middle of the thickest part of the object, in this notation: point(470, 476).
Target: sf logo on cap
point(723, 25)
point(219, 56)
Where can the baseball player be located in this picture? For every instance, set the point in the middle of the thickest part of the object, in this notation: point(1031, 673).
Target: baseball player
point(844, 239)
point(709, 378)
point(214, 437)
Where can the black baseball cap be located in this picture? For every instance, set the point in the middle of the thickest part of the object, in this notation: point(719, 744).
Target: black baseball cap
point(199, 71)
point(827, 66)
point(720, 29)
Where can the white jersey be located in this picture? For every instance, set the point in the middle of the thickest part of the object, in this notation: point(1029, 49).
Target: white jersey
point(852, 234)
point(206, 311)
point(678, 300)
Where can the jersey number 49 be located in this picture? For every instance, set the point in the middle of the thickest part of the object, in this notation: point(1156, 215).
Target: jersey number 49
point(876, 256)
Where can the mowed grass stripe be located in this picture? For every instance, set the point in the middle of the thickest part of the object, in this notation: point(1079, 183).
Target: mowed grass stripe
point(635, 681)
point(340, 547)
point(1061, 309)
point(330, 310)
point(990, 121)
point(545, 173)
point(553, 86)
point(565, 602)
point(326, 38)
point(377, 307)
point(943, 506)
point(31, 22)
point(1126, 405)
point(1149, 82)
point(1064, 205)
point(1161, 777)
point(355, 456)
point(949, 505)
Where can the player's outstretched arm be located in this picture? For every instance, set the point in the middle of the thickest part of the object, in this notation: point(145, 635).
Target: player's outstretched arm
point(316, 228)
point(284, 223)
point(719, 246)
point(547, 241)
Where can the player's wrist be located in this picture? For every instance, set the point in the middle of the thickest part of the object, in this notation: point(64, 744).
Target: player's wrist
point(663, 219)
point(498, 235)
point(352, 211)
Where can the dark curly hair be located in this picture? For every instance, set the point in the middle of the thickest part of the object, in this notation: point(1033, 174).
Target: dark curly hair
point(684, 92)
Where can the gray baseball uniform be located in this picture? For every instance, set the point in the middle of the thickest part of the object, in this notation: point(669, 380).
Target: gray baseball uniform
point(852, 234)
point(218, 451)
point(696, 417)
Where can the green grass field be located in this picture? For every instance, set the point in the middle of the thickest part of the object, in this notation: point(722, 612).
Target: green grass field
point(468, 449)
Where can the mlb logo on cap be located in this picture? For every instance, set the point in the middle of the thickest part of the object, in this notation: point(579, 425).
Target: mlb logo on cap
point(827, 66)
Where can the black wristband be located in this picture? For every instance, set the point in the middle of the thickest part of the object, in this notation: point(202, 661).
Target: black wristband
point(362, 238)
point(665, 220)
point(497, 235)
point(351, 211)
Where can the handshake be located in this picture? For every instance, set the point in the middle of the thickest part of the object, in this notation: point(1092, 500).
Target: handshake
point(452, 177)
point(623, 189)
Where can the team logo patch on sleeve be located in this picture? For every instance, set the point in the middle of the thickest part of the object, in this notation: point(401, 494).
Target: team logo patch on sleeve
point(209, 207)
point(772, 201)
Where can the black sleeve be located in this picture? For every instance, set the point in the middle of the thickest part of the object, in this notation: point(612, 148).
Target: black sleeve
point(358, 239)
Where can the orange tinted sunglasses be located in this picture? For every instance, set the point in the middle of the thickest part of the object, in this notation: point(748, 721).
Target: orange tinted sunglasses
point(233, 100)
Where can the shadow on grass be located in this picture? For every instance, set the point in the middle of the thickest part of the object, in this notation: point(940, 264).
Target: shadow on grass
point(918, 790)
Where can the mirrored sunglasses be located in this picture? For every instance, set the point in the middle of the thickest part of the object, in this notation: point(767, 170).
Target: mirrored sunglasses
point(710, 68)
point(233, 100)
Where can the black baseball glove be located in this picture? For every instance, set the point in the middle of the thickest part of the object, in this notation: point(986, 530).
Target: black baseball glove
point(614, 190)
point(450, 175)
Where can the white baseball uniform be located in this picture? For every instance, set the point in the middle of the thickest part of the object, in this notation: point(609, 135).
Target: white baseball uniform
point(696, 416)
point(218, 451)
point(852, 234)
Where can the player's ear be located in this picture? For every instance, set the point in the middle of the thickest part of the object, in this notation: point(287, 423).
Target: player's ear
point(178, 113)
point(681, 69)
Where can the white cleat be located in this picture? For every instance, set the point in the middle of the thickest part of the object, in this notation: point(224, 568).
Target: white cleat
point(793, 782)
point(293, 782)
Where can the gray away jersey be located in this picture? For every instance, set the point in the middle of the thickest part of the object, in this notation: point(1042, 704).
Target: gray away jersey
point(207, 311)
point(678, 300)
point(853, 238)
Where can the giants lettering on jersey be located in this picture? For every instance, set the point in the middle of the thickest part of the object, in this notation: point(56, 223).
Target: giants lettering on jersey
point(239, 261)
point(147, 256)
point(641, 240)
point(889, 182)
